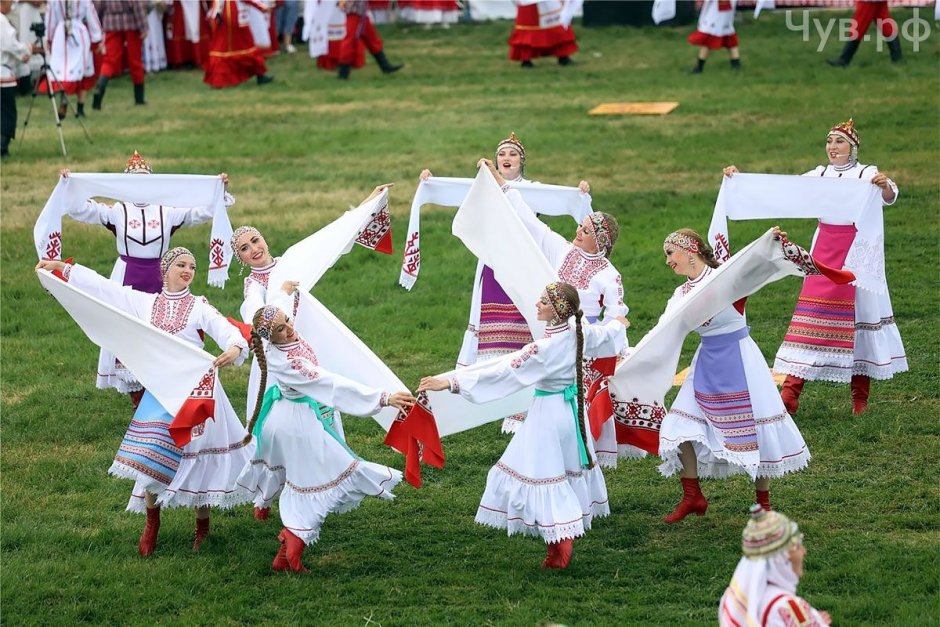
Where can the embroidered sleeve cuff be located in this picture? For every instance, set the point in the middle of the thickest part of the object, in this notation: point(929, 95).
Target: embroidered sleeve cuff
point(66, 271)
point(453, 385)
point(383, 400)
point(505, 187)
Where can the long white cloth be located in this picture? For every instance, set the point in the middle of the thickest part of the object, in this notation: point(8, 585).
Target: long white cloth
point(174, 190)
point(552, 200)
point(646, 374)
point(521, 269)
point(259, 24)
point(771, 196)
point(190, 9)
point(150, 353)
point(338, 349)
point(316, 25)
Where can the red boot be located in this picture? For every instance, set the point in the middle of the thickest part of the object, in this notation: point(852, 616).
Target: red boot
point(790, 394)
point(559, 554)
point(293, 551)
point(280, 560)
point(202, 531)
point(148, 539)
point(762, 498)
point(861, 386)
point(261, 513)
point(693, 501)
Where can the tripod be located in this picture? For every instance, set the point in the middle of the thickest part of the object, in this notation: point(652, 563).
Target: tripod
point(44, 73)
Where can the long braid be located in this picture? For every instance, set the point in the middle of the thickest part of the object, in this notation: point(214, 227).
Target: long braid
point(261, 359)
point(579, 367)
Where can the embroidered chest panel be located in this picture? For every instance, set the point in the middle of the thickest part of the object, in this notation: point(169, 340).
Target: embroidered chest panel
point(172, 314)
point(144, 225)
point(302, 350)
point(261, 278)
point(578, 270)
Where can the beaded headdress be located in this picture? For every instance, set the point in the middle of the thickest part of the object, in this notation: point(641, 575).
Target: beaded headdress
point(601, 232)
point(265, 325)
point(137, 165)
point(560, 305)
point(682, 241)
point(170, 256)
point(847, 131)
point(237, 236)
point(514, 142)
point(768, 533)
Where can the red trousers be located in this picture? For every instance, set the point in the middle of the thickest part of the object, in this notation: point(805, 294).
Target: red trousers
point(115, 52)
point(368, 35)
point(866, 12)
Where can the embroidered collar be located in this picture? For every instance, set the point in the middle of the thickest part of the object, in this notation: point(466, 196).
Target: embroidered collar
point(551, 330)
point(266, 269)
point(844, 168)
point(289, 346)
point(699, 278)
point(599, 255)
point(175, 295)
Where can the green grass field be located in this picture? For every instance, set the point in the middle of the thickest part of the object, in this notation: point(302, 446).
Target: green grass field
point(302, 150)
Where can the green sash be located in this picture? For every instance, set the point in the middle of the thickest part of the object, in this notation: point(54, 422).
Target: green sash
point(326, 418)
point(571, 395)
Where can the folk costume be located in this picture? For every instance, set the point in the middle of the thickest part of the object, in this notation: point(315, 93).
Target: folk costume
point(125, 25)
point(154, 48)
point(233, 56)
point(72, 28)
point(428, 12)
point(202, 473)
point(187, 33)
point(299, 455)
point(142, 233)
point(600, 289)
point(539, 31)
point(715, 30)
point(11, 51)
point(546, 483)
point(763, 588)
point(866, 12)
point(728, 407)
point(360, 32)
point(840, 333)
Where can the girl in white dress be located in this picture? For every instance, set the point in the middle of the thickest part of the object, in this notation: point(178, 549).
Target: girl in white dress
point(728, 417)
point(546, 483)
point(202, 473)
point(298, 455)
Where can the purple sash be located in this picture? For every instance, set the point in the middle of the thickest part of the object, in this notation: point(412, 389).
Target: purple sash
point(143, 274)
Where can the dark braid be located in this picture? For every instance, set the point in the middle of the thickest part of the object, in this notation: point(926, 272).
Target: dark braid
point(258, 349)
point(579, 367)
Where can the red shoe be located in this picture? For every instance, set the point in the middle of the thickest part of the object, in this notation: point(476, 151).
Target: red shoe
point(280, 560)
point(790, 394)
point(293, 551)
point(148, 539)
point(762, 498)
point(202, 531)
point(261, 513)
point(559, 554)
point(693, 501)
point(861, 387)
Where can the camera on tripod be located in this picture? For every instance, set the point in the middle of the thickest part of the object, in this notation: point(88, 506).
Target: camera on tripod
point(38, 29)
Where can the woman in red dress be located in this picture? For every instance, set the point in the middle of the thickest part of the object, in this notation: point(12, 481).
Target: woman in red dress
point(233, 57)
point(538, 32)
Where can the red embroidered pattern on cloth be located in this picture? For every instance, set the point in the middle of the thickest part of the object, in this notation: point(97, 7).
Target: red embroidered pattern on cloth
point(205, 387)
point(527, 353)
point(529, 480)
point(221, 450)
point(578, 269)
point(302, 350)
point(373, 232)
point(301, 366)
point(327, 486)
point(636, 414)
point(172, 314)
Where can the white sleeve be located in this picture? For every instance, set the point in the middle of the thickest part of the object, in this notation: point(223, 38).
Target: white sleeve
point(225, 334)
point(125, 298)
point(95, 32)
point(604, 340)
point(179, 216)
point(502, 376)
point(870, 173)
point(94, 212)
point(553, 245)
point(332, 389)
point(254, 299)
point(611, 289)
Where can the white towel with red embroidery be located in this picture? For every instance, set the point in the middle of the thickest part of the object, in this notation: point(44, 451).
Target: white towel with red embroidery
point(150, 353)
point(551, 200)
point(174, 190)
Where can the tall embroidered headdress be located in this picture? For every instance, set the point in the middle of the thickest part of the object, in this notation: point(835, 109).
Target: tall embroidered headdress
point(559, 304)
point(846, 130)
point(513, 142)
point(768, 533)
point(265, 321)
point(137, 165)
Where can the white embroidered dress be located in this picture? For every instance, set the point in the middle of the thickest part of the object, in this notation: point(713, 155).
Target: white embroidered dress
point(72, 26)
point(313, 472)
point(142, 234)
point(600, 288)
point(539, 486)
point(879, 352)
point(780, 445)
point(213, 458)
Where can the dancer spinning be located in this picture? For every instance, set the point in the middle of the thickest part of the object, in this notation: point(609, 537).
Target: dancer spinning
point(202, 473)
point(584, 263)
point(546, 483)
point(299, 456)
point(727, 417)
point(840, 333)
